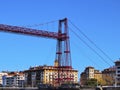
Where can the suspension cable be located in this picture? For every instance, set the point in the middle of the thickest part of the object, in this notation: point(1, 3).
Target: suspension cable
point(91, 41)
point(83, 53)
point(90, 47)
point(41, 24)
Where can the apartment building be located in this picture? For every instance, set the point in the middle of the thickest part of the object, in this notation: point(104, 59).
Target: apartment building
point(108, 75)
point(49, 75)
point(83, 78)
point(117, 78)
point(98, 76)
point(1, 77)
point(90, 73)
point(14, 79)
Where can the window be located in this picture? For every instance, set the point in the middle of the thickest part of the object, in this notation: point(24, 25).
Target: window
point(118, 75)
point(118, 67)
point(33, 73)
point(118, 71)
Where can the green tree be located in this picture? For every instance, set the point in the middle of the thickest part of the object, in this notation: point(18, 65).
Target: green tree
point(91, 82)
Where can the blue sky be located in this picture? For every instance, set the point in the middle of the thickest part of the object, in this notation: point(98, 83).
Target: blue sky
point(98, 19)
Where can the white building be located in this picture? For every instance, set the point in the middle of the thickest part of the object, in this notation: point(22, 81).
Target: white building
point(14, 79)
point(1, 79)
point(117, 79)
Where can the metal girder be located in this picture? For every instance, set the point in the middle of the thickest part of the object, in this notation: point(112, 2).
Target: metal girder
point(34, 32)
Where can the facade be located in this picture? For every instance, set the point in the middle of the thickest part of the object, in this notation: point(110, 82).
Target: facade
point(1, 75)
point(98, 76)
point(50, 75)
point(14, 79)
point(83, 78)
point(90, 73)
point(117, 78)
point(108, 76)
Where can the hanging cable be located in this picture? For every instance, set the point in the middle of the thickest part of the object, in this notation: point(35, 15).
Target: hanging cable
point(86, 55)
point(91, 41)
point(89, 46)
point(37, 25)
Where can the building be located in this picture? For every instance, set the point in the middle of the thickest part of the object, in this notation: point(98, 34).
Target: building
point(108, 75)
point(14, 79)
point(83, 78)
point(90, 73)
point(50, 75)
point(98, 76)
point(1, 75)
point(117, 78)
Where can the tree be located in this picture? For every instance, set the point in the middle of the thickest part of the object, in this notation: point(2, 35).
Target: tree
point(108, 80)
point(91, 82)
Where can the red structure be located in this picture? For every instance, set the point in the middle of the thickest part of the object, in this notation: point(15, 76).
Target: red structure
point(62, 37)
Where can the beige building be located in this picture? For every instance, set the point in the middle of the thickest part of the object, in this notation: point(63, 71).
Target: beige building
point(50, 75)
point(106, 77)
point(90, 73)
point(98, 76)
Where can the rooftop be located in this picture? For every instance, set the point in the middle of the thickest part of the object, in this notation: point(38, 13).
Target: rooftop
point(118, 61)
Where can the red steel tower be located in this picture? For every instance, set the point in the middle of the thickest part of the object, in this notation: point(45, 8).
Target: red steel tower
point(62, 37)
point(63, 45)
